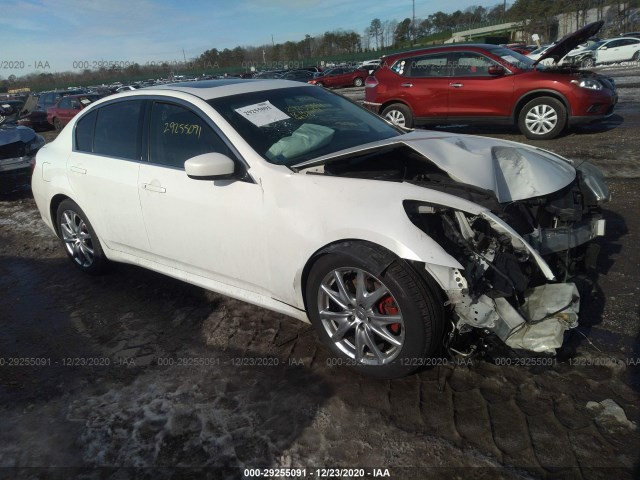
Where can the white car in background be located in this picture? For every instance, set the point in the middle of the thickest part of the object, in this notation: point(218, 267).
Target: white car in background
point(606, 51)
point(396, 246)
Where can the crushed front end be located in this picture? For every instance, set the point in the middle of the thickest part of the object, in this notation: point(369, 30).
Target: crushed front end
point(518, 260)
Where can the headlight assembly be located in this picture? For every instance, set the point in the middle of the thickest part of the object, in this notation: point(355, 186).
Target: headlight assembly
point(588, 83)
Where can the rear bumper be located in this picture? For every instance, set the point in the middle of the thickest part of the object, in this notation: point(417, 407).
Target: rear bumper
point(372, 106)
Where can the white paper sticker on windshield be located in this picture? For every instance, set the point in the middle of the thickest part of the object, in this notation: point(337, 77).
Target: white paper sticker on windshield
point(511, 60)
point(6, 105)
point(85, 101)
point(263, 113)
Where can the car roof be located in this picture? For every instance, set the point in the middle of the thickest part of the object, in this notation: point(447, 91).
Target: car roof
point(455, 46)
point(209, 89)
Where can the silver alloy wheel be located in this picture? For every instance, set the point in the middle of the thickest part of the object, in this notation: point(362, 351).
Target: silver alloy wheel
point(76, 237)
point(361, 316)
point(541, 119)
point(396, 117)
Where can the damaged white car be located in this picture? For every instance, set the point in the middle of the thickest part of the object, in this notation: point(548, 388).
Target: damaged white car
point(394, 245)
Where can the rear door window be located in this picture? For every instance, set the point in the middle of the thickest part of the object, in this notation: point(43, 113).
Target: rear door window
point(434, 65)
point(118, 129)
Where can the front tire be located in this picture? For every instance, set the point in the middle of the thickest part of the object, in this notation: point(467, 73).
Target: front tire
point(79, 238)
point(588, 62)
point(399, 115)
point(383, 325)
point(542, 118)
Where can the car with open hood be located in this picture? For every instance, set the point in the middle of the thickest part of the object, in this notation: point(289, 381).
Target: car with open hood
point(396, 246)
point(615, 50)
point(490, 84)
point(18, 147)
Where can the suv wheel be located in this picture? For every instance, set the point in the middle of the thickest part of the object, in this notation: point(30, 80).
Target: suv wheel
point(399, 115)
point(542, 118)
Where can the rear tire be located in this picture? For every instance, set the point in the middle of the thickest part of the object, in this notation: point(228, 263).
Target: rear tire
point(358, 82)
point(399, 115)
point(542, 118)
point(79, 238)
point(382, 325)
point(57, 124)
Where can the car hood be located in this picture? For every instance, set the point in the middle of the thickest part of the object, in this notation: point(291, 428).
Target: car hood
point(571, 41)
point(13, 134)
point(513, 171)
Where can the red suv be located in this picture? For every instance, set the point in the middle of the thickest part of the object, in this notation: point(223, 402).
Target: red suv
point(490, 84)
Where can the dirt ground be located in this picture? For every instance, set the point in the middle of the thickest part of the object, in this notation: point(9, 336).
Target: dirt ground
point(139, 375)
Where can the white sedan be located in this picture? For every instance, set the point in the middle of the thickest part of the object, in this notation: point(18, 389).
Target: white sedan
point(397, 246)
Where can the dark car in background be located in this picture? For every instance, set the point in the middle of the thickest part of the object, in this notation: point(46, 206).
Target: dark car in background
point(482, 83)
point(10, 110)
point(341, 77)
point(297, 75)
point(18, 147)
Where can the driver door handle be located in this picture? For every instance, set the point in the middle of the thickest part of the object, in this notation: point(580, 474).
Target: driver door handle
point(456, 85)
point(154, 188)
point(406, 85)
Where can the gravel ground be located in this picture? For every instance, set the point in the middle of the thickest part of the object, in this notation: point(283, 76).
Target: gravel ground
point(145, 376)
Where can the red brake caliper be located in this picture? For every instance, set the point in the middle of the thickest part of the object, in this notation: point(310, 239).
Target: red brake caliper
point(387, 306)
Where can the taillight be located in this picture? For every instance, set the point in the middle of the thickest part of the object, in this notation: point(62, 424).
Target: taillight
point(371, 82)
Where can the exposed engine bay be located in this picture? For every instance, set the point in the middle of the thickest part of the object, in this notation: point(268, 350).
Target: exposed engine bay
point(517, 261)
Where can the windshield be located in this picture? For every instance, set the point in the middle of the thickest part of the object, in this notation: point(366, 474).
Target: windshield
point(595, 46)
point(513, 59)
point(538, 51)
point(291, 125)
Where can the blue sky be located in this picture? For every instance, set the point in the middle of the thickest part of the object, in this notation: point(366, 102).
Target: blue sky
point(58, 34)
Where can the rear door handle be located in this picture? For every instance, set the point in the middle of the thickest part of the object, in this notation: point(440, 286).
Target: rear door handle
point(406, 85)
point(154, 188)
point(456, 85)
point(73, 168)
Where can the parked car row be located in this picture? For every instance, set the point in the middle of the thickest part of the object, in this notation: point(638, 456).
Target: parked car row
point(480, 83)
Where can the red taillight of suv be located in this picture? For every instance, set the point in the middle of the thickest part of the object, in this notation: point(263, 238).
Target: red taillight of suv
point(371, 82)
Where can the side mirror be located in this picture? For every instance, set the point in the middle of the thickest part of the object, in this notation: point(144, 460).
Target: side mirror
point(496, 70)
point(209, 166)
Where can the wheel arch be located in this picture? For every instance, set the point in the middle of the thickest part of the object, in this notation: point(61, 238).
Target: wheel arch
point(388, 103)
point(527, 97)
point(367, 249)
point(53, 209)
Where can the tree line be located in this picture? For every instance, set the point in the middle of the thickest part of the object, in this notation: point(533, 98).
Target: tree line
point(536, 16)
